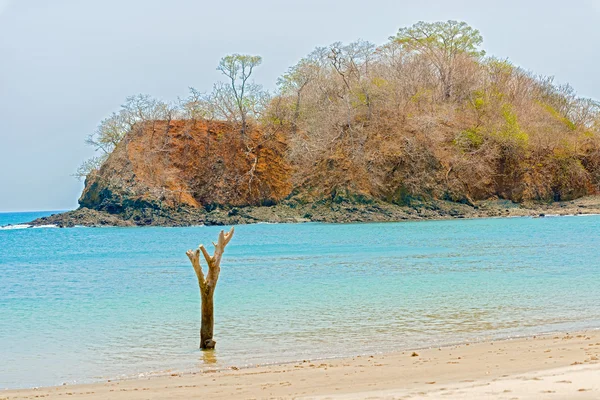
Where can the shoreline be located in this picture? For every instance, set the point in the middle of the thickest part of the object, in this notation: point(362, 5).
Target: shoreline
point(27, 225)
point(466, 369)
point(292, 212)
point(499, 339)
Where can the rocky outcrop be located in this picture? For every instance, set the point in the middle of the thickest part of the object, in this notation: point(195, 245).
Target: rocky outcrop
point(175, 172)
point(183, 173)
point(341, 211)
point(82, 217)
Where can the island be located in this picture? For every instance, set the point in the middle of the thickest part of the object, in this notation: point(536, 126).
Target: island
point(424, 126)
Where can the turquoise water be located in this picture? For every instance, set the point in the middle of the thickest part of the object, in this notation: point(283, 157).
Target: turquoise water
point(85, 304)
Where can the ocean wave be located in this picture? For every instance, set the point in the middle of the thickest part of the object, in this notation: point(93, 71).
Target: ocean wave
point(17, 226)
point(25, 226)
point(571, 215)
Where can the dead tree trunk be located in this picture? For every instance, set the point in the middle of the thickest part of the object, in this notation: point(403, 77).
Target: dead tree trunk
point(208, 284)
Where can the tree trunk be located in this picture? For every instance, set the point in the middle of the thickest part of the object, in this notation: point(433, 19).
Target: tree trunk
point(208, 320)
point(208, 284)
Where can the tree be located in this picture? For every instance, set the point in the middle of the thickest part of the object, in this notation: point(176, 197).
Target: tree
point(442, 43)
point(89, 166)
point(111, 130)
point(104, 139)
point(208, 284)
point(294, 83)
point(244, 94)
point(352, 62)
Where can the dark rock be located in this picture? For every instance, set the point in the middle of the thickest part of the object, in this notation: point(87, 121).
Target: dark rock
point(318, 211)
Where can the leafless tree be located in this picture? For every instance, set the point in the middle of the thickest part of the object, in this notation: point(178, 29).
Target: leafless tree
point(208, 285)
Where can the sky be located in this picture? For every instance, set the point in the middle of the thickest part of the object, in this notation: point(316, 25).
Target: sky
point(67, 64)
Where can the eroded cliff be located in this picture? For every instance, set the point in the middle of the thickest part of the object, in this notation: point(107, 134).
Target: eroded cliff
point(165, 170)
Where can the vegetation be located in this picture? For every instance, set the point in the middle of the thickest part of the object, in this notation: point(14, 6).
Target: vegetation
point(425, 115)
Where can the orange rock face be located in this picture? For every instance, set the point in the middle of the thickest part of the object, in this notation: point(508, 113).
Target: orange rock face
point(190, 163)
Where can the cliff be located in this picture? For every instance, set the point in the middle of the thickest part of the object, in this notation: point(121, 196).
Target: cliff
point(173, 172)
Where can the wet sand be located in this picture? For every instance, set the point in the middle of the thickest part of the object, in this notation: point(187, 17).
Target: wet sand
point(558, 366)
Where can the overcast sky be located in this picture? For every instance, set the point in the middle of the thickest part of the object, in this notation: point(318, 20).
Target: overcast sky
point(66, 64)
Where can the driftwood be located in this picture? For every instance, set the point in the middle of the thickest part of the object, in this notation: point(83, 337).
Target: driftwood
point(208, 284)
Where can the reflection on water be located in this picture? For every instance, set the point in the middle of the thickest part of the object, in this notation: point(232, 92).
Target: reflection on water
point(109, 302)
point(209, 357)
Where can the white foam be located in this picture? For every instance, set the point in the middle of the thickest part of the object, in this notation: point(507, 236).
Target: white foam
point(571, 215)
point(18, 226)
point(26, 226)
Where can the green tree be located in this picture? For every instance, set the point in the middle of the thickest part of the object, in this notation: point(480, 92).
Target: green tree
point(441, 43)
point(245, 95)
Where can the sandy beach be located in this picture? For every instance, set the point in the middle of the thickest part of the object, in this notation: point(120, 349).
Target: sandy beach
point(557, 366)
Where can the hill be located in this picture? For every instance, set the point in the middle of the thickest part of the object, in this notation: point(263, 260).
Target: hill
point(422, 126)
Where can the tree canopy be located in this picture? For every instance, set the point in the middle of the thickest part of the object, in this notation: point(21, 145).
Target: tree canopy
point(442, 43)
point(449, 38)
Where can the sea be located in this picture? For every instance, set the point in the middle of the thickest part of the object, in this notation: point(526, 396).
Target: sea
point(84, 305)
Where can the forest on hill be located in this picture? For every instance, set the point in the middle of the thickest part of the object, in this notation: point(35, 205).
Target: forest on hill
point(425, 116)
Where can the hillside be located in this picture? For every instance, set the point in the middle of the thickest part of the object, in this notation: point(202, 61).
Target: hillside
point(424, 126)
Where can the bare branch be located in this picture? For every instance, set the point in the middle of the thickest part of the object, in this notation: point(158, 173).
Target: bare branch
point(227, 236)
point(194, 256)
point(207, 256)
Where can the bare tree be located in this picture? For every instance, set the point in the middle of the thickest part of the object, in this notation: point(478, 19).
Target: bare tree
point(294, 83)
point(208, 284)
point(89, 166)
point(111, 130)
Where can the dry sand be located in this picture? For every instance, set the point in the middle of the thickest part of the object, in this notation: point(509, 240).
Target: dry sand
point(561, 366)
